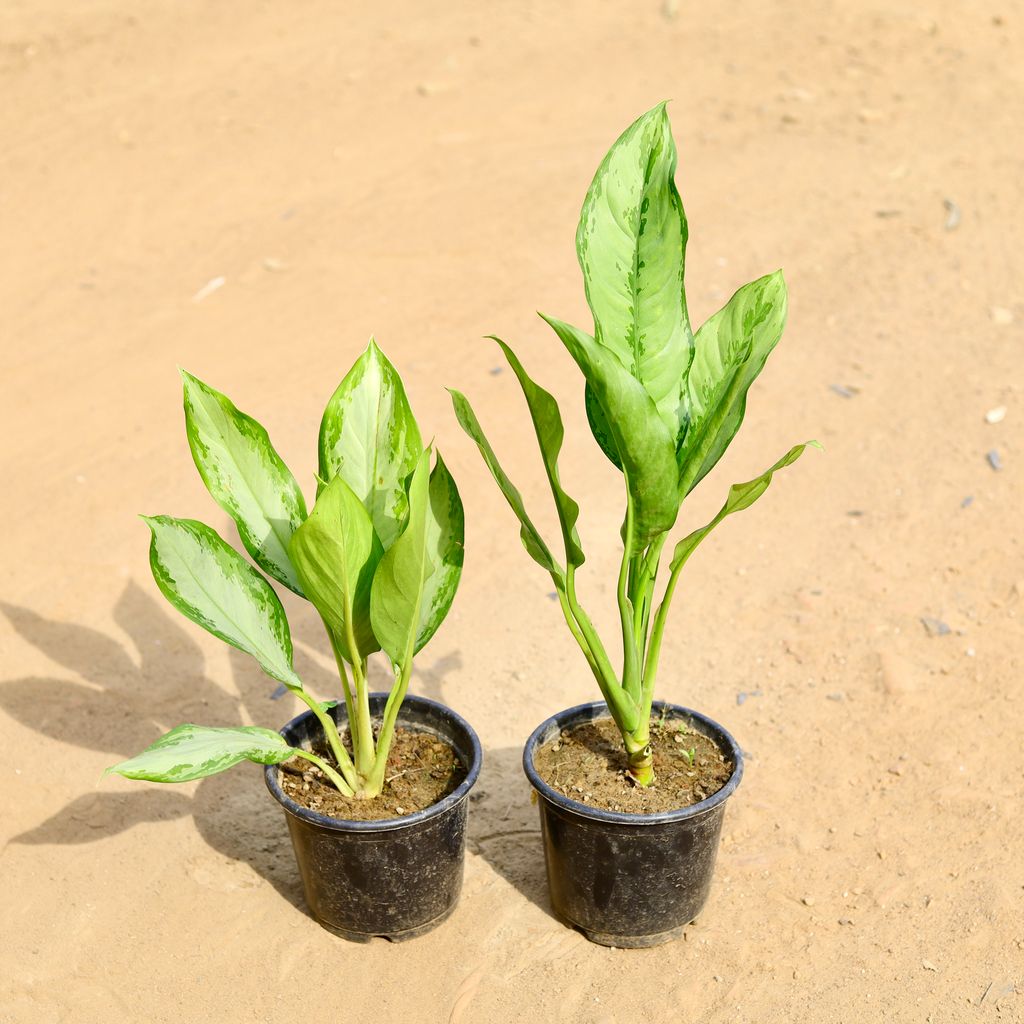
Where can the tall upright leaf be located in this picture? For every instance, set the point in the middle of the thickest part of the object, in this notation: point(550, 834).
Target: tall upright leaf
point(642, 440)
point(631, 243)
point(191, 752)
point(731, 350)
point(741, 496)
point(547, 424)
point(528, 533)
point(246, 477)
point(213, 585)
point(396, 598)
point(336, 552)
point(445, 542)
point(369, 437)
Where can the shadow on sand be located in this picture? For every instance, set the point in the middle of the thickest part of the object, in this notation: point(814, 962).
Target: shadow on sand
point(121, 700)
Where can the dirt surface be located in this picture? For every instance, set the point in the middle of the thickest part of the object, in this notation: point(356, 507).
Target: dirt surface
point(249, 190)
point(587, 763)
point(421, 770)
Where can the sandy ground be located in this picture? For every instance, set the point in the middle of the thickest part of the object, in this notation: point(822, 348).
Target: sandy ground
point(415, 170)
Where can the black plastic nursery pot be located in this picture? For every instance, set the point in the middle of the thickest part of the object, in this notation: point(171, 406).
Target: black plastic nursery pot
point(629, 880)
point(396, 878)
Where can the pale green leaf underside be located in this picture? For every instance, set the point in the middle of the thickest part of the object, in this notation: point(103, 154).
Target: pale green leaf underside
point(336, 553)
point(631, 244)
point(191, 752)
point(445, 543)
point(731, 350)
point(215, 587)
point(547, 424)
point(532, 540)
point(396, 597)
point(741, 496)
point(642, 440)
point(245, 476)
point(369, 436)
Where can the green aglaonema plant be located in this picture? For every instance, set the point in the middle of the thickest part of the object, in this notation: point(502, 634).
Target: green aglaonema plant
point(662, 401)
point(379, 556)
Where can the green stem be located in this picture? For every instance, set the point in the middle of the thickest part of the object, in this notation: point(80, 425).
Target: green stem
point(343, 675)
point(657, 631)
point(375, 782)
point(631, 681)
point(343, 787)
point(361, 726)
point(332, 737)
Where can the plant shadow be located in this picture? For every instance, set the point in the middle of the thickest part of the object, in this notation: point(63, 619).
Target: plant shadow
point(119, 699)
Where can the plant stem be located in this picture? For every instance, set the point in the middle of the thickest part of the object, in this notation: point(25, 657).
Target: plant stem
point(631, 681)
point(361, 726)
point(375, 782)
point(343, 787)
point(333, 739)
point(657, 631)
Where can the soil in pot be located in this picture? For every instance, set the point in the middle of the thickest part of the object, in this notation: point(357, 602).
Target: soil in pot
point(422, 769)
point(587, 763)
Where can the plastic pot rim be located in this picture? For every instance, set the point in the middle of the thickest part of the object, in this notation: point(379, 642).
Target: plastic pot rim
point(583, 712)
point(456, 796)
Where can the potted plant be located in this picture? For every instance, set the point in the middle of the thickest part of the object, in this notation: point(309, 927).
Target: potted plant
point(379, 556)
point(630, 838)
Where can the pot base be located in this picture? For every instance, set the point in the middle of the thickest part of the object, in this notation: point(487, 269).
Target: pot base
point(402, 936)
point(627, 941)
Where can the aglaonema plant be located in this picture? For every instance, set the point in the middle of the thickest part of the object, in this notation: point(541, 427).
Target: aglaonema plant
point(379, 556)
point(662, 401)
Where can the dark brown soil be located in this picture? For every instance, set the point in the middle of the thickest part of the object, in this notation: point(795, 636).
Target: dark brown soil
point(422, 769)
point(588, 763)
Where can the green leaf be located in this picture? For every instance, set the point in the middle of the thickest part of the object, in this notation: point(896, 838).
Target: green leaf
point(532, 540)
point(446, 530)
point(369, 437)
point(599, 427)
point(336, 553)
point(396, 598)
point(190, 752)
point(741, 496)
point(246, 477)
point(213, 585)
point(547, 423)
point(731, 349)
point(631, 244)
point(642, 440)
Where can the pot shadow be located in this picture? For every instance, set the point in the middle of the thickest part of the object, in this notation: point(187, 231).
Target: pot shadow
point(504, 825)
point(125, 698)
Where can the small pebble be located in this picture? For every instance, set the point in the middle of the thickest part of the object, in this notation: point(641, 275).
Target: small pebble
point(929, 966)
point(967, 501)
point(845, 920)
point(838, 695)
point(995, 460)
point(808, 901)
point(934, 627)
point(996, 415)
point(399, 810)
point(952, 214)
point(843, 391)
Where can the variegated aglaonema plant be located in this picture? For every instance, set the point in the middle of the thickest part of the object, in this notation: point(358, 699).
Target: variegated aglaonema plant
point(663, 404)
point(379, 556)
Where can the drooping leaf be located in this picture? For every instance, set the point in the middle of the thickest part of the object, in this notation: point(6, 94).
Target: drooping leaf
point(396, 597)
point(190, 752)
point(213, 585)
point(445, 542)
point(368, 436)
point(336, 553)
point(245, 476)
point(631, 244)
point(731, 350)
point(532, 540)
point(547, 423)
point(642, 440)
point(741, 496)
